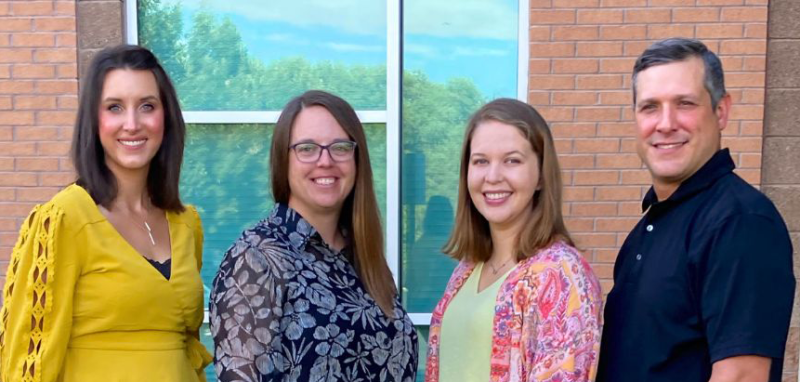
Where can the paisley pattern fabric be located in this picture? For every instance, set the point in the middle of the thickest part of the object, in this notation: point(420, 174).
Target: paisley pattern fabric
point(286, 307)
point(547, 321)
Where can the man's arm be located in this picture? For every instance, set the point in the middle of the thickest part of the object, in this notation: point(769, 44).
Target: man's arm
point(747, 368)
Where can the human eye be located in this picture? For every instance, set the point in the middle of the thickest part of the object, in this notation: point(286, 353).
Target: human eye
point(114, 108)
point(306, 148)
point(343, 147)
point(148, 107)
point(648, 107)
point(479, 161)
point(513, 160)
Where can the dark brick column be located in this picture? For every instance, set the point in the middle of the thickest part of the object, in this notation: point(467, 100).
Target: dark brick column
point(100, 24)
point(781, 151)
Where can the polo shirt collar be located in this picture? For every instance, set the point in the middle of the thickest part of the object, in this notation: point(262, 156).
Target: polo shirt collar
point(718, 166)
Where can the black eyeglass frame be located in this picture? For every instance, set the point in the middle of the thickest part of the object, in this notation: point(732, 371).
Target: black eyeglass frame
point(323, 148)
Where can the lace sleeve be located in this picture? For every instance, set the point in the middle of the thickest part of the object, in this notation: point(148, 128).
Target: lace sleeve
point(36, 316)
point(245, 311)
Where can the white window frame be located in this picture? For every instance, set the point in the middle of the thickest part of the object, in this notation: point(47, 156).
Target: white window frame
point(390, 117)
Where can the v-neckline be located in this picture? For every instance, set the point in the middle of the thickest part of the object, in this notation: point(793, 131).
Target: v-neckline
point(142, 259)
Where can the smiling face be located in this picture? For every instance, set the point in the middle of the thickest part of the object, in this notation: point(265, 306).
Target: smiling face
point(503, 175)
point(321, 187)
point(131, 118)
point(678, 130)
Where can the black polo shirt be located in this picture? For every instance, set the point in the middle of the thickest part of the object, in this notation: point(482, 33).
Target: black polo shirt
point(705, 275)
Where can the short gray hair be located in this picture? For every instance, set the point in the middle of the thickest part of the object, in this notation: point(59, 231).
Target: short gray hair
point(679, 49)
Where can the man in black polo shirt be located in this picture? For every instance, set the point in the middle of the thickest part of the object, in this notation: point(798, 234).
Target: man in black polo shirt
point(703, 285)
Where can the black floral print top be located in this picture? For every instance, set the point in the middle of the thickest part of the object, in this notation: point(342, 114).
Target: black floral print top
point(286, 307)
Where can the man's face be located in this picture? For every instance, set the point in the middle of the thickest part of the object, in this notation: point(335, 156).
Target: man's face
point(677, 129)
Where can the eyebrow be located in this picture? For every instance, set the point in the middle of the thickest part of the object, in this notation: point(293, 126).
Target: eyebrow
point(506, 154)
point(646, 101)
point(149, 98)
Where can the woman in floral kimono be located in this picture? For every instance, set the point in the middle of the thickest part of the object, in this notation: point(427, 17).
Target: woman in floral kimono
point(523, 304)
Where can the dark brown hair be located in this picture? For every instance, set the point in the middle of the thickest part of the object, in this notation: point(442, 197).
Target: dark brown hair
point(471, 239)
point(360, 216)
point(87, 153)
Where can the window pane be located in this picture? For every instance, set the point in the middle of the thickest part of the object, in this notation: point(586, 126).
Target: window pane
point(455, 59)
point(251, 55)
point(226, 176)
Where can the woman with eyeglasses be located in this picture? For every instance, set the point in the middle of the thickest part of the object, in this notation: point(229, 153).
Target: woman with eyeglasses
point(306, 294)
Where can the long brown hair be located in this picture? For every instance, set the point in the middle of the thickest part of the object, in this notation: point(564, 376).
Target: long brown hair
point(471, 239)
point(360, 216)
point(87, 153)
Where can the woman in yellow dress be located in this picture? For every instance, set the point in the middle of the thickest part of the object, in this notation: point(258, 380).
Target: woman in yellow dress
point(104, 281)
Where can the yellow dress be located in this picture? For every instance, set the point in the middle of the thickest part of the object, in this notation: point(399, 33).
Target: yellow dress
point(80, 304)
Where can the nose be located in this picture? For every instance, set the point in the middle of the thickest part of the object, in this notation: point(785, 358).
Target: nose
point(494, 173)
point(325, 159)
point(131, 122)
point(666, 121)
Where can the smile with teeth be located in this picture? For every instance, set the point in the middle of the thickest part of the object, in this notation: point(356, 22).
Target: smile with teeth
point(497, 195)
point(133, 143)
point(667, 146)
point(324, 181)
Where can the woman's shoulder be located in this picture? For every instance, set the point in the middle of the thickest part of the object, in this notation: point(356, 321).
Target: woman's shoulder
point(189, 216)
point(558, 254)
point(75, 204)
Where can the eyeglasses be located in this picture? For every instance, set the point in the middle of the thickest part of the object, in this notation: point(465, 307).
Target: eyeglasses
point(309, 152)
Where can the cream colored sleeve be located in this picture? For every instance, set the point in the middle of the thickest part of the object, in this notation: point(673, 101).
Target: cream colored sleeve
point(36, 317)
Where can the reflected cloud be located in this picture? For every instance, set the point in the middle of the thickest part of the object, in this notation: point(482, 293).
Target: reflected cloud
point(471, 51)
point(345, 47)
point(466, 18)
point(421, 50)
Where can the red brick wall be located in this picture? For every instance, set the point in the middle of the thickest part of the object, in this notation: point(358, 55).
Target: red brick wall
point(38, 99)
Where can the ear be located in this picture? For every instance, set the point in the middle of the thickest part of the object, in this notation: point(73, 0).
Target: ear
point(723, 111)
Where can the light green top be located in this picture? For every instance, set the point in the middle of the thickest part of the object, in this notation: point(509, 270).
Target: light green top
point(465, 348)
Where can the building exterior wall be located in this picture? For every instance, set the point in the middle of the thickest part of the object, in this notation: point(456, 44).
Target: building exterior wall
point(581, 55)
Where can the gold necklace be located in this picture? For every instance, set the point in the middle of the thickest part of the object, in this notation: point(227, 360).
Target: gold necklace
point(495, 270)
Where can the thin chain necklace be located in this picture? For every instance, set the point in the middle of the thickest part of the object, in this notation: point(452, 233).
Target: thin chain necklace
point(496, 270)
point(146, 227)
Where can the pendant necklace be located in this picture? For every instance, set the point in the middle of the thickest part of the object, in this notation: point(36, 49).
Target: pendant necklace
point(147, 227)
point(495, 270)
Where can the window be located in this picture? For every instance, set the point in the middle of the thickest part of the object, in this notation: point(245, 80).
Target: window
point(236, 63)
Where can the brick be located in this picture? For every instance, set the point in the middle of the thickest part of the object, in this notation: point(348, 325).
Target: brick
point(6, 164)
point(599, 49)
point(67, 71)
point(605, 255)
point(603, 271)
point(65, 164)
point(560, 16)
point(750, 160)
point(539, 98)
point(719, 31)
point(751, 128)
point(539, 33)
point(742, 144)
point(623, 3)
point(755, 31)
point(744, 80)
point(36, 133)
point(575, 3)
point(618, 193)
point(598, 114)
point(750, 176)
point(563, 146)
point(55, 24)
point(57, 86)
point(57, 179)
point(617, 65)
point(34, 102)
point(745, 47)
point(5, 103)
point(33, 71)
point(16, 118)
point(15, 25)
point(595, 240)
point(695, 15)
point(647, 16)
point(658, 32)
point(572, 161)
point(8, 224)
point(55, 118)
point(671, 3)
point(5, 9)
point(623, 32)
point(552, 49)
point(751, 112)
point(720, 2)
point(596, 145)
point(619, 161)
point(579, 225)
point(744, 14)
point(66, 39)
point(539, 82)
point(601, 16)
point(572, 194)
point(602, 81)
point(573, 130)
point(55, 55)
point(616, 129)
point(37, 164)
point(615, 224)
point(5, 39)
point(6, 133)
point(15, 55)
point(641, 177)
point(539, 66)
point(66, 8)
point(32, 8)
point(36, 194)
point(574, 98)
point(622, 98)
point(556, 114)
point(575, 66)
point(593, 209)
point(5, 71)
point(67, 102)
point(33, 40)
point(564, 33)
point(53, 148)
point(632, 208)
point(755, 63)
point(635, 48)
point(17, 179)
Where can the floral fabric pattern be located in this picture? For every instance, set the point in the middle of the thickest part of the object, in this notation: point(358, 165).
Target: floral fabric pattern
point(286, 307)
point(547, 321)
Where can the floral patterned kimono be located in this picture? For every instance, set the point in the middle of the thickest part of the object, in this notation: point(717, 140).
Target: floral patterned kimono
point(547, 321)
